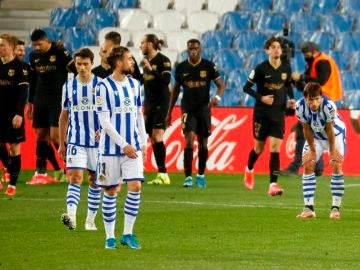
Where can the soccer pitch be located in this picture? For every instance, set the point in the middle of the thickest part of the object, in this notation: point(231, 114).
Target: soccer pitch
point(221, 227)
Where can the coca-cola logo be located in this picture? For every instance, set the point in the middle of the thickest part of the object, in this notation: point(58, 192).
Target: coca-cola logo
point(291, 145)
point(221, 144)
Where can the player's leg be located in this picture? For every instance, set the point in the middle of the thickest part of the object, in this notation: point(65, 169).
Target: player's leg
point(132, 172)
point(4, 157)
point(14, 168)
point(188, 126)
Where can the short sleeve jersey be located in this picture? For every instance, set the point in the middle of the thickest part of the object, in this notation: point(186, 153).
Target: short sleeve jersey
point(195, 81)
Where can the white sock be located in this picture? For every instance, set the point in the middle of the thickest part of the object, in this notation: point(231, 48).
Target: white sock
point(131, 210)
point(109, 214)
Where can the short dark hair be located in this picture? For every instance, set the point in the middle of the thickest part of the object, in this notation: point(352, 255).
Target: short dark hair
point(84, 53)
point(114, 37)
point(271, 40)
point(38, 34)
point(116, 54)
point(20, 42)
point(309, 46)
point(193, 40)
point(312, 89)
point(157, 43)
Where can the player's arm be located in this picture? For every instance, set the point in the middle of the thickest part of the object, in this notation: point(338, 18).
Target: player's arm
point(310, 155)
point(63, 127)
point(164, 73)
point(142, 132)
point(137, 74)
point(32, 89)
point(220, 87)
point(173, 97)
point(66, 58)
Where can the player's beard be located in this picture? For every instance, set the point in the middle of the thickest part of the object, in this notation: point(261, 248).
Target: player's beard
point(129, 71)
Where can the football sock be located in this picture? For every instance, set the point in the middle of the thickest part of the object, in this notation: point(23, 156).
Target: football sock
point(14, 169)
point(109, 214)
point(160, 154)
point(72, 199)
point(252, 159)
point(50, 153)
point(131, 210)
point(274, 166)
point(337, 189)
point(41, 153)
point(94, 195)
point(203, 155)
point(309, 186)
point(4, 155)
point(188, 157)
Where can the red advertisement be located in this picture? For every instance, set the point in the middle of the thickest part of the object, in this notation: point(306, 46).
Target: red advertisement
point(229, 144)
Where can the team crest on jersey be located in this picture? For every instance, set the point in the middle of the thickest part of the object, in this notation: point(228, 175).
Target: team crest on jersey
point(202, 73)
point(52, 58)
point(69, 160)
point(283, 76)
point(99, 100)
point(127, 101)
point(85, 100)
point(11, 72)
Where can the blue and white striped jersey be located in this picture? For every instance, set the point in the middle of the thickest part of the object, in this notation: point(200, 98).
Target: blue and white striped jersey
point(122, 100)
point(317, 120)
point(79, 100)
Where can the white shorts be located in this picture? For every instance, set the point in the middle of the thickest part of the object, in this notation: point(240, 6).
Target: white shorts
point(323, 145)
point(112, 170)
point(81, 158)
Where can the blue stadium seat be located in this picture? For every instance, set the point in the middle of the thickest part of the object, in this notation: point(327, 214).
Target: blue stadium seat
point(230, 98)
point(337, 23)
point(304, 22)
point(342, 59)
point(271, 22)
point(77, 37)
point(355, 62)
point(236, 78)
point(249, 40)
point(255, 5)
point(95, 19)
point(349, 42)
point(289, 6)
point(118, 4)
point(298, 62)
point(249, 101)
point(324, 6)
point(215, 40)
point(351, 6)
point(84, 5)
point(228, 59)
point(63, 17)
point(349, 80)
point(325, 40)
point(235, 21)
point(255, 58)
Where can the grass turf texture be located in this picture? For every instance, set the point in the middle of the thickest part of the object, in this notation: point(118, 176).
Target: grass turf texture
point(221, 227)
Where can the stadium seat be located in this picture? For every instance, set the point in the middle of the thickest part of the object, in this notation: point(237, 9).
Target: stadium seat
point(77, 37)
point(222, 6)
point(271, 22)
point(351, 7)
point(236, 78)
point(95, 19)
point(249, 101)
point(349, 42)
point(228, 59)
point(304, 22)
point(171, 54)
point(187, 6)
point(355, 62)
point(235, 21)
point(120, 4)
point(298, 62)
point(152, 7)
point(169, 20)
point(97, 58)
point(215, 40)
point(230, 98)
point(289, 6)
point(337, 23)
point(134, 19)
point(64, 17)
point(255, 5)
point(125, 35)
point(137, 36)
point(325, 40)
point(249, 40)
point(85, 5)
point(255, 58)
point(324, 6)
point(203, 20)
point(342, 59)
point(178, 39)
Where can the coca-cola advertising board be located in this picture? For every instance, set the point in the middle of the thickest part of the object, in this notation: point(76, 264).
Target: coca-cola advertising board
point(229, 144)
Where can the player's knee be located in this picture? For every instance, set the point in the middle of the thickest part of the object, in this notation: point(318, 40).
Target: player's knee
point(75, 178)
point(336, 167)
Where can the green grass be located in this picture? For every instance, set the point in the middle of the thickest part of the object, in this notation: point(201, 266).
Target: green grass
point(221, 227)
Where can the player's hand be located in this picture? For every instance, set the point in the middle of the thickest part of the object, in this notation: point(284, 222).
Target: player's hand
point(62, 151)
point(296, 76)
point(213, 102)
point(29, 111)
point(335, 157)
point(130, 151)
point(97, 135)
point(309, 156)
point(17, 121)
point(146, 64)
point(291, 104)
point(144, 153)
point(268, 99)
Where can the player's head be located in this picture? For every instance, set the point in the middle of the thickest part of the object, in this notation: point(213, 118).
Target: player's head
point(309, 49)
point(112, 39)
point(194, 49)
point(84, 59)
point(20, 50)
point(7, 45)
point(150, 43)
point(313, 95)
point(121, 60)
point(40, 41)
point(273, 47)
